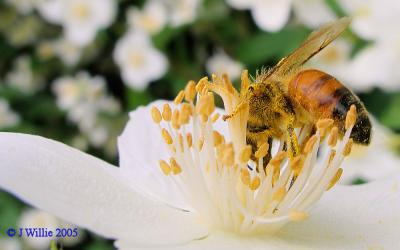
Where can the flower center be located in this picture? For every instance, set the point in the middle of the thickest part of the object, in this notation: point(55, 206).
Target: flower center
point(80, 11)
point(136, 59)
point(220, 182)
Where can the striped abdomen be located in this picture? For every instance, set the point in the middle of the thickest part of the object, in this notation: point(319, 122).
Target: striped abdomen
point(322, 96)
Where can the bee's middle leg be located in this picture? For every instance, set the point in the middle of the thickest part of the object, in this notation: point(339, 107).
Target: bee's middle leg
point(254, 139)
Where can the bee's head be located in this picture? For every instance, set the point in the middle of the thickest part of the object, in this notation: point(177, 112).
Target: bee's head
point(258, 90)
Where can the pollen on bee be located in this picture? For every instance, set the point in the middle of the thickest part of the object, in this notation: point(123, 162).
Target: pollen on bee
point(156, 115)
point(298, 216)
point(167, 112)
point(351, 117)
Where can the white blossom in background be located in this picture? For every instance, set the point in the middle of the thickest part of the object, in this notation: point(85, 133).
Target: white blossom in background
point(335, 60)
point(377, 161)
point(10, 244)
point(23, 6)
point(84, 98)
point(139, 61)
point(34, 218)
point(22, 77)
point(8, 118)
point(269, 15)
point(68, 52)
point(151, 19)
point(313, 13)
point(81, 20)
point(220, 63)
point(181, 12)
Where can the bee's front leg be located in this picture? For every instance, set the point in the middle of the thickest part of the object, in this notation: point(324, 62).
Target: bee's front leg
point(237, 109)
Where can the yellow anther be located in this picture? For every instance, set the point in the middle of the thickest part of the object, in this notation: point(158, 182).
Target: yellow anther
point(279, 157)
point(351, 117)
point(333, 137)
point(298, 216)
point(176, 169)
point(190, 91)
point(179, 98)
point(204, 118)
point(255, 183)
point(245, 154)
point(201, 84)
point(206, 105)
point(324, 125)
point(297, 164)
point(165, 168)
point(201, 143)
point(175, 119)
point(245, 83)
point(228, 158)
point(167, 137)
point(335, 178)
point(279, 194)
point(167, 113)
point(262, 150)
point(156, 115)
point(228, 84)
point(180, 139)
point(332, 155)
point(218, 138)
point(310, 144)
point(189, 139)
point(185, 114)
point(245, 176)
point(215, 117)
point(347, 148)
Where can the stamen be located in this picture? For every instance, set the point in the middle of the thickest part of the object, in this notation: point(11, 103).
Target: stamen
point(245, 81)
point(228, 158)
point(332, 156)
point(333, 137)
point(175, 119)
point(201, 84)
point(179, 97)
point(351, 117)
point(167, 137)
point(176, 169)
point(245, 155)
point(215, 118)
point(167, 113)
point(245, 176)
point(335, 179)
point(279, 194)
point(279, 157)
point(189, 139)
point(347, 148)
point(201, 143)
point(190, 91)
point(310, 144)
point(156, 115)
point(297, 164)
point(298, 216)
point(255, 183)
point(324, 125)
point(165, 168)
point(218, 138)
point(262, 150)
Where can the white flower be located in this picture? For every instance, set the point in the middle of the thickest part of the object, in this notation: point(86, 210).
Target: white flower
point(313, 13)
point(22, 77)
point(68, 52)
point(34, 218)
point(151, 19)
point(182, 12)
point(377, 161)
point(206, 197)
point(220, 63)
point(23, 6)
point(269, 15)
point(8, 118)
point(139, 62)
point(84, 98)
point(80, 19)
point(10, 244)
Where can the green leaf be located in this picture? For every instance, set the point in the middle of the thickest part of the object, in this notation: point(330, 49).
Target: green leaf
point(136, 98)
point(266, 46)
point(391, 114)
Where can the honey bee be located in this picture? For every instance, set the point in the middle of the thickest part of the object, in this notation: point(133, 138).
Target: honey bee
point(288, 96)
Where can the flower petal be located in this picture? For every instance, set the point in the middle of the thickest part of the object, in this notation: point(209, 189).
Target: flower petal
point(271, 15)
point(88, 192)
point(348, 217)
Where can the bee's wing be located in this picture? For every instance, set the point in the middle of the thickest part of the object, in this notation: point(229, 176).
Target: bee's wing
point(315, 42)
